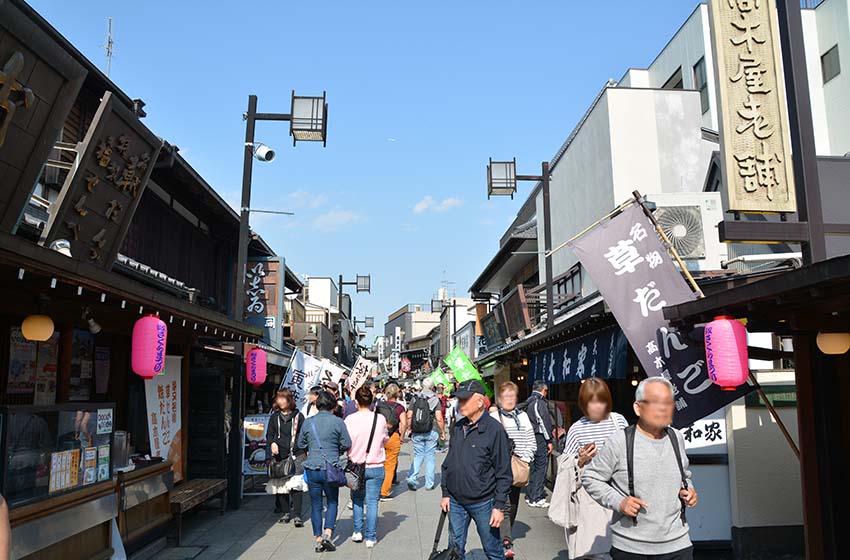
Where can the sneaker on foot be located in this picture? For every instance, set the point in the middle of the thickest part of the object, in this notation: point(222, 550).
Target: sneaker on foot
point(529, 503)
point(411, 485)
point(542, 504)
point(370, 544)
point(328, 546)
point(508, 548)
point(298, 522)
point(386, 498)
point(357, 537)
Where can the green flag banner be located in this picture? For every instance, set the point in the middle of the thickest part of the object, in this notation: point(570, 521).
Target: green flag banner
point(439, 377)
point(463, 369)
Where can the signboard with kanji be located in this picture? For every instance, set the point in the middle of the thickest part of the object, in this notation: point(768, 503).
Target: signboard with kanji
point(162, 397)
point(98, 200)
point(264, 305)
point(638, 278)
point(756, 153)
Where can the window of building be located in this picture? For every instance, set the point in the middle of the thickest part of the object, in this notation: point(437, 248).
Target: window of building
point(830, 65)
point(701, 83)
point(674, 81)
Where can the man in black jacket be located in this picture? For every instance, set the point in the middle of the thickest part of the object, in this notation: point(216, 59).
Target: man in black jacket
point(537, 409)
point(476, 473)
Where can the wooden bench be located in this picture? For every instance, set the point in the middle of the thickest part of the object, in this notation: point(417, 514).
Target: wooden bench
point(193, 493)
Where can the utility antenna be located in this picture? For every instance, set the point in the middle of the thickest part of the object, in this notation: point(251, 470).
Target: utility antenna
point(108, 46)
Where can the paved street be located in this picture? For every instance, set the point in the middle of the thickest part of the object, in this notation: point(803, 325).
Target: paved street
point(406, 529)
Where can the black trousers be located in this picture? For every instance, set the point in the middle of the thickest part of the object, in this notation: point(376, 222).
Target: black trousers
point(684, 554)
point(506, 528)
point(535, 490)
point(290, 503)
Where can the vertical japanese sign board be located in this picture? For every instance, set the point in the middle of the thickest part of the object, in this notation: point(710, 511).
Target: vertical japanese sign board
point(98, 200)
point(39, 82)
point(636, 276)
point(162, 397)
point(264, 297)
point(359, 373)
point(754, 130)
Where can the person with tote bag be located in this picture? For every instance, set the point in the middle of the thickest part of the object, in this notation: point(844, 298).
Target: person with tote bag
point(285, 458)
point(523, 445)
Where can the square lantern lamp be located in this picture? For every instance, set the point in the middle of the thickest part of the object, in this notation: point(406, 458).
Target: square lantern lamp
point(501, 178)
point(370, 322)
point(309, 119)
point(364, 283)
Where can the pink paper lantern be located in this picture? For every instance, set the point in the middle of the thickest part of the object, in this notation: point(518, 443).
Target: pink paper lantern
point(150, 335)
point(726, 352)
point(255, 367)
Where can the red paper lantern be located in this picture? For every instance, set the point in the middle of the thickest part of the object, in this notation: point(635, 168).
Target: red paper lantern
point(726, 352)
point(150, 335)
point(255, 367)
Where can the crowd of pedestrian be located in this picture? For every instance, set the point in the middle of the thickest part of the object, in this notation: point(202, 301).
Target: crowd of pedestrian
point(621, 491)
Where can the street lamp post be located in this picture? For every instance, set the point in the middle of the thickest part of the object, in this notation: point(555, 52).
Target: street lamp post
point(501, 181)
point(307, 122)
point(363, 283)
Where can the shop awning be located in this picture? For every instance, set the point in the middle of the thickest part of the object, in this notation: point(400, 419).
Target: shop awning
point(602, 354)
point(35, 259)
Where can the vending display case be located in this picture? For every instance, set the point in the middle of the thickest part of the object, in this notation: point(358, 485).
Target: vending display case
point(54, 450)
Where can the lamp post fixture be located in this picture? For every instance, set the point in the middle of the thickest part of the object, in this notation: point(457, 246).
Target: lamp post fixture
point(501, 181)
point(368, 323)
point(363, 283)
point(307, 122)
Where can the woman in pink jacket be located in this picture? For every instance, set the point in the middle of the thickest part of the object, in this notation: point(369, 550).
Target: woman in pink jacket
point(363, 426)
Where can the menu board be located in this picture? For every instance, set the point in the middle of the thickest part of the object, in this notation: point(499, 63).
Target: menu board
point(82, 365)
point(254, 444)
point(64, 470)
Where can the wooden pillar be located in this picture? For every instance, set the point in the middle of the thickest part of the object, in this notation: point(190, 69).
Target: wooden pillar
point(814, 469)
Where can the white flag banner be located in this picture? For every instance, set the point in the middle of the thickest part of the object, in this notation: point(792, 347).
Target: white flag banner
point(304, 372)
point(359, 373)
point(331, 372)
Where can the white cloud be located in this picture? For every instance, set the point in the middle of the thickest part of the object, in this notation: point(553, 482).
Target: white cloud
point(336, 219)
point(423, 204)
point(306, 199)
point(428, 203)
point(447, 204)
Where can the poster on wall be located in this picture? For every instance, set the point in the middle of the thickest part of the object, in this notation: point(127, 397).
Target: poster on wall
point(90, 465)
point(45, 371)
point(101, 369)
point(254, 444)
point(82, 365)
point(162, 396)
point(64, 470)
point(103, 463)
point(22, 364)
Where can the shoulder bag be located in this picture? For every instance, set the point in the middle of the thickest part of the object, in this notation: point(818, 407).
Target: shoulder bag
point(285, 467)
point(334, 475)
point(355, 473)
point(520, 469)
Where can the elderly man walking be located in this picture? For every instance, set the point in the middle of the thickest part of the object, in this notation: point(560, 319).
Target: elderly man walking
point(642, 474)
point(477, 473)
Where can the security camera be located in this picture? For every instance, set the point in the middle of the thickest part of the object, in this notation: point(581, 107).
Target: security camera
point(263, 152)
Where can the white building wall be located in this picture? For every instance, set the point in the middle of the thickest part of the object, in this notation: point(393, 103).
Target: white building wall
point(691, 43)
point(581, 187)
point(833, 28)
point(322, 292)
point(641, 139)
point(810, 39)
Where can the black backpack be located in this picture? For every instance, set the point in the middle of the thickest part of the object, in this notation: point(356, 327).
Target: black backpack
point(423, 419)
point(630, 462)
point(388, 411)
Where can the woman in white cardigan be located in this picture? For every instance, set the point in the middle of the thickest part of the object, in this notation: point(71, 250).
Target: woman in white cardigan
point(521, 433)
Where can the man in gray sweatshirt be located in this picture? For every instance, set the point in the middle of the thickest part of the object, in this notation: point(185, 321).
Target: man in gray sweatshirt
point(650, 523)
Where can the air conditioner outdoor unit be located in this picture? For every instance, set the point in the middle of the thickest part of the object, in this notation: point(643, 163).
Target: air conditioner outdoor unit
point(690, 221)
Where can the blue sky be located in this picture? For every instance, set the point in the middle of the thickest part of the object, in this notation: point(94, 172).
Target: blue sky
point(420, 95)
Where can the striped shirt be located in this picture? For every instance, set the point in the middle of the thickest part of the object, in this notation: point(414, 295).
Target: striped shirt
point(520, 431)
point(584, 431)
